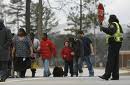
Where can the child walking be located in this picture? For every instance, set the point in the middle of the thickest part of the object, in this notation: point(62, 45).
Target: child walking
point(67, 55)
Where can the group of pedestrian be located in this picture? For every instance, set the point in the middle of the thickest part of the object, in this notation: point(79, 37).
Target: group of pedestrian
point(76, 51)
point(24, 50)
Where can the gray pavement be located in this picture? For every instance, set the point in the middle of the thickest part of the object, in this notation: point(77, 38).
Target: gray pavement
point(82, 80)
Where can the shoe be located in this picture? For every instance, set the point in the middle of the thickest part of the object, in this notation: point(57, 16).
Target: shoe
point(75, 74)
point(80, 71)
point(65, 75)
point(91, 75)
point(115, 79)
point(33, 76)
point(22, 76)
point(49, 74)
point(103, 77)
point(2, 80)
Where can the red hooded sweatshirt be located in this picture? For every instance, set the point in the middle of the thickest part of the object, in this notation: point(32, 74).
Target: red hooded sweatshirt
point(47, 49)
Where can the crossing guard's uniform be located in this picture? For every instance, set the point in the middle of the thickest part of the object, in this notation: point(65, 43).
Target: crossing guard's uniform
point(114, 39)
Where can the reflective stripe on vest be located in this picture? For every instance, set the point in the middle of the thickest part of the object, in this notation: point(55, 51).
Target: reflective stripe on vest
point(117, 36)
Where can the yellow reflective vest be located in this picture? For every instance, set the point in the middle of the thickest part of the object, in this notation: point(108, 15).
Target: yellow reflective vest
point(118, 36)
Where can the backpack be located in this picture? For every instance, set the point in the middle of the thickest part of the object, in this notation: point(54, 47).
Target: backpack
point(58, 72)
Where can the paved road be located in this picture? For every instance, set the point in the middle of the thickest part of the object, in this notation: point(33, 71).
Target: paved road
point(83, 80)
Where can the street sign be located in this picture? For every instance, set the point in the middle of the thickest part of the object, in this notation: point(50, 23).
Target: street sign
point(100, 13)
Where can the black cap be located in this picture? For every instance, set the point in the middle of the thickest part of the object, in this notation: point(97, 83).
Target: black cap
point(113, 18)
point(45, 34)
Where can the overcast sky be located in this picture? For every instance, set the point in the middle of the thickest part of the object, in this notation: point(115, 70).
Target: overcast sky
point(119, 7)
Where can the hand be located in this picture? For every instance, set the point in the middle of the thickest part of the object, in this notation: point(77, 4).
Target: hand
point(92, 53)
point(72, 53)
point(38, 49)
point(64, 56)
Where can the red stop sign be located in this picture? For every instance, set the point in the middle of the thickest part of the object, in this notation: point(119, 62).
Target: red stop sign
point(100, 13)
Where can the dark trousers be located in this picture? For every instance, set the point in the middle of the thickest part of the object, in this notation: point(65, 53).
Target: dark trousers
point(4, 69)
point(22, 73)
point(75, 66)
point(68, 66)
point(33, 72)
point(112, 66)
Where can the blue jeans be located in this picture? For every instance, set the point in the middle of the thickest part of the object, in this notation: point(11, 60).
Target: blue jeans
point(87, 60)
point(46, 68)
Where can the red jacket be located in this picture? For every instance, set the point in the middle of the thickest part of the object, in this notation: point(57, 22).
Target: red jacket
point(66, 54)
point(47, 49)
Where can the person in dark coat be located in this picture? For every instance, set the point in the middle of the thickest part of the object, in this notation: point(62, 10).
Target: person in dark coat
point(5, 39)
point(88, 52)
point(114, 39)
point(77, 46)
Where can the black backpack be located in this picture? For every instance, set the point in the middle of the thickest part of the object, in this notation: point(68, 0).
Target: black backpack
point(58, 72)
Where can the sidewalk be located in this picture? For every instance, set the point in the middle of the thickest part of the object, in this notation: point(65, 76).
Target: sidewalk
point(82, 80)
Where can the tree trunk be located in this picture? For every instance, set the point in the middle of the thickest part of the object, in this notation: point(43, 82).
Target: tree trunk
point(40, 24)
point(27, 17)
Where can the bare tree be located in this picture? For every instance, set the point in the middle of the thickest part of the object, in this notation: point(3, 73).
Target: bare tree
point(49, 21)
point(27, 16)
point(39, 23)
point(88, 16)
point(17, 10)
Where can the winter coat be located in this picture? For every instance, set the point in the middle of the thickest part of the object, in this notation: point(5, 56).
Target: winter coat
point(66, 54)
point(47, 49)
point(5, 41)
point(77, 46)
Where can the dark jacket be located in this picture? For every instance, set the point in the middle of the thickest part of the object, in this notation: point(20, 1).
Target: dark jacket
point(87, 49)
point(77, 46)
point(5, 41)
point(111, 30)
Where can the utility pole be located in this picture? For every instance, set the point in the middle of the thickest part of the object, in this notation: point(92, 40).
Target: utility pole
point(81, 6)
point(95, 45)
